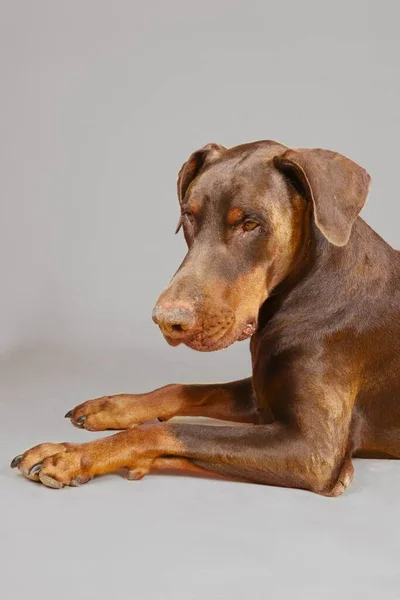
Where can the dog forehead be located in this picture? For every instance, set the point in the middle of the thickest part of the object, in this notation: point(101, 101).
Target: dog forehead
point(248, 179)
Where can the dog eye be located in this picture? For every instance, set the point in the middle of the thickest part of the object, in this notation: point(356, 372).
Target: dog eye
point(250, 225)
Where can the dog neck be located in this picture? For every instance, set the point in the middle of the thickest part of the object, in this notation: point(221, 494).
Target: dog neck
point(329, 287)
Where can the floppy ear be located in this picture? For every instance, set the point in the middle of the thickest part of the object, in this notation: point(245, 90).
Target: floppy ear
point(337, 187)
point(192, 167)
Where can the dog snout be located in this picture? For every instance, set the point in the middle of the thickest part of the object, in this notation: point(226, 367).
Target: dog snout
point(176, 322)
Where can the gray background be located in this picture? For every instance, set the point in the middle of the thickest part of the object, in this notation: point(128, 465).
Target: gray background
point(101, 103)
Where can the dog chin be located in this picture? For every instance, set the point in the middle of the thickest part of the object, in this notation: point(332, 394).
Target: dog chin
point(208, 344)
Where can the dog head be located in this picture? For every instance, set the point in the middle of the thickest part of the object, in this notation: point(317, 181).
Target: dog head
point(245, 213)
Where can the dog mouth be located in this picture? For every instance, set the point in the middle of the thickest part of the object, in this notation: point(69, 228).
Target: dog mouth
point(211, 341)
point(248, 330)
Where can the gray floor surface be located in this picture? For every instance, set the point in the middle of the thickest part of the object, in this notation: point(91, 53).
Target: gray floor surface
point(173, 536)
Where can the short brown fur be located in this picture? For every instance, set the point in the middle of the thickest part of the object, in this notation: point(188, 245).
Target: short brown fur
point(278, 254)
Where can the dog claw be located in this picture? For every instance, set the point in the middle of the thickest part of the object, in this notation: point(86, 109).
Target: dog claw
point(135, 475)
point(37, 467)
point(77, 481)
point(15, 461)
point(68, 415)
point(50, 481)
point(80, 421)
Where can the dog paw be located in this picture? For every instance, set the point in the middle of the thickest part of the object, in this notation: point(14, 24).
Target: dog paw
point(59, 465)
point(122, 411)
point(107, 412)
point(54, 465)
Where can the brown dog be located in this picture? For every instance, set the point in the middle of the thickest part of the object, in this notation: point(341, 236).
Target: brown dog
point(276, 252)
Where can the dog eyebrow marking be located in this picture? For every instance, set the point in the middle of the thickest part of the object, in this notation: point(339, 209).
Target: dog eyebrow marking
point(193, 206)
point(235, 215)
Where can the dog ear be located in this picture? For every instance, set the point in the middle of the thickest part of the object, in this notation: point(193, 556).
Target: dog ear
point(337, 187)
point(192, 167)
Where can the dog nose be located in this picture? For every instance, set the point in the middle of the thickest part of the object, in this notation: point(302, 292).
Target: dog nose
point(175, 321)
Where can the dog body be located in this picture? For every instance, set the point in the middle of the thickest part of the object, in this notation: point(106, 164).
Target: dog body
point(277, 253)
point(340, 342)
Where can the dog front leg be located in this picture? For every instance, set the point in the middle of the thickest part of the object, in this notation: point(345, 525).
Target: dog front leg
point(234, 401)
point(267, 454)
